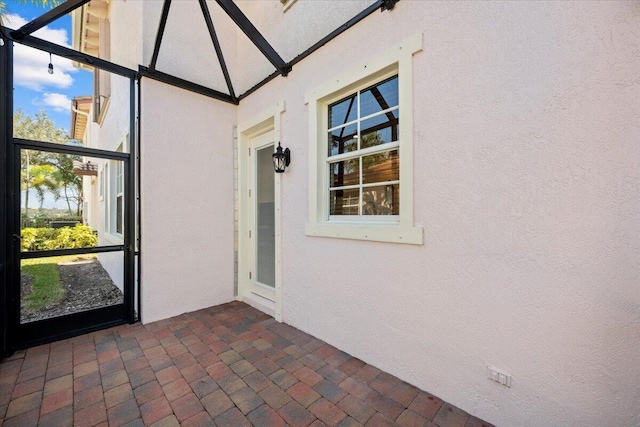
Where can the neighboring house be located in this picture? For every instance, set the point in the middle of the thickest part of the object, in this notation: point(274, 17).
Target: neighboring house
point(103, 193)
point(463, 189)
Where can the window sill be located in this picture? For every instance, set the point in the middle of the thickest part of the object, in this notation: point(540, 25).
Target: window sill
point(375, 233)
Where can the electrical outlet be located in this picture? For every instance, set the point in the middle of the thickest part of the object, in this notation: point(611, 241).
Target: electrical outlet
point(499, 376)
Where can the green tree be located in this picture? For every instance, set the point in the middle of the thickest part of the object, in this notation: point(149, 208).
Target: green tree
point(41, 178)
point(45, 171)
point(69, 184)
point(47, 4)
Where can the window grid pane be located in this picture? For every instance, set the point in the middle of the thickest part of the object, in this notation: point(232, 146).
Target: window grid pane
point(365, 184)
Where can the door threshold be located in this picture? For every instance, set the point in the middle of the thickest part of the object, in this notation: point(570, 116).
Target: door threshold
point(263, 304)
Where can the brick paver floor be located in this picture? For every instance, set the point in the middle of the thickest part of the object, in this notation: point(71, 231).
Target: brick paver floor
point(228, 365)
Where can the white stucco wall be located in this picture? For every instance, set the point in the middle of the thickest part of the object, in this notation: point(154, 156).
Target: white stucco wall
point(125, 18)
point(527, 185)
point(187, 201)
point(110, 135)
point(187, 50)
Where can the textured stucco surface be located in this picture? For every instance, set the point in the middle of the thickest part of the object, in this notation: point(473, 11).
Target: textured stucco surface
point(526, 130)
point(527, 183)
point(187, 201)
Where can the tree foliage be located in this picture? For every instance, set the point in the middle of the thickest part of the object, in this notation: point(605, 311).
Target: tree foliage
point(45, 171)
point(47, 4)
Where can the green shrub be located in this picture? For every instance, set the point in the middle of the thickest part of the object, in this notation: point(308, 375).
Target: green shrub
point(37, 239)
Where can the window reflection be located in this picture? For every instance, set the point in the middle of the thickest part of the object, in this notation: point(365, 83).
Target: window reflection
point(343, 111)
point(365, 179)
point(379, 97)
point(343, 140)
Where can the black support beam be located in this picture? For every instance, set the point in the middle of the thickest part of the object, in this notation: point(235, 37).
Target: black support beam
point(254, 35)
point(341, 29)
point(186, 85)
point(381, 5)
point(74, 55)
point(70, 149)
point(216, 45)
point(7, 307)
point(47, 18)
point(74, 251)
point(160, 34)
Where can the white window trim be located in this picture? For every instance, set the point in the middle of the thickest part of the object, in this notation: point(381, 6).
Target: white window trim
point(397, 60)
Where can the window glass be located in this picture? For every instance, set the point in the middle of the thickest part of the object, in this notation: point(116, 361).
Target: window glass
point(379, 97)
point(345, 202)
point(362, 182)
point(381, 167)
point(380, 129)
point(343, 111)
point(345, 173)
point(119, 209)
point(381, 200)
point(343, 140)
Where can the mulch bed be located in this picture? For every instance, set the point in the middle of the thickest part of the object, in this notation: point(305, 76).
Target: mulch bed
point(87, 285)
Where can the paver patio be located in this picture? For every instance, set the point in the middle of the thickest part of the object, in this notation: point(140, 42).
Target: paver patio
point(229, 365)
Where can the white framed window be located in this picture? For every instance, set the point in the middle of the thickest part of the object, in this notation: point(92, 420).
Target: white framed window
point(361, 151)
point(119, 196)
point(114, 208)
point(105, 180)
point(102, 182)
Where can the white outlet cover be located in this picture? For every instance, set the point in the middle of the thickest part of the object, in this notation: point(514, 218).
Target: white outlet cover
point(499, 376)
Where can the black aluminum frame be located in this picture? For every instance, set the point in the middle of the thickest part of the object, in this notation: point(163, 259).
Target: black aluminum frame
point(216, 45)
point(47, 18)
point(160, 34)
point(15, 335)
point(84, 322)
point(282, 68)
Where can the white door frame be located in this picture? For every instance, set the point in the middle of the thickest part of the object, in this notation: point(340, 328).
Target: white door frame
point(268, 120)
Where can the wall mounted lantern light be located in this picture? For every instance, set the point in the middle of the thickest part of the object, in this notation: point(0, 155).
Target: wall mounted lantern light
point(281, 159)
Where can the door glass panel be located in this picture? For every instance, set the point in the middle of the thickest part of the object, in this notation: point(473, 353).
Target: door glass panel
point(265, 219)
point(56, 286)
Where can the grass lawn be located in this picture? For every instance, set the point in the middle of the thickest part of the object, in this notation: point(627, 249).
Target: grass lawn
point(46, 287)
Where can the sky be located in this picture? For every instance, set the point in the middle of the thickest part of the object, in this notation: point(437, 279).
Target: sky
point(34, 88)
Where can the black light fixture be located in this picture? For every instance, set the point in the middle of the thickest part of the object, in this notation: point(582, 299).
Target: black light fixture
point(281, 159)
point(50, 64)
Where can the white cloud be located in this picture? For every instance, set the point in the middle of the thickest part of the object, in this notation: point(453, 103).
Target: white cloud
point(58, 101)
point(30, 66)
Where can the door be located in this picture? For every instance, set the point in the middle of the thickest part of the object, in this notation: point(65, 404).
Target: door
point(66, 269)
point(262, 218)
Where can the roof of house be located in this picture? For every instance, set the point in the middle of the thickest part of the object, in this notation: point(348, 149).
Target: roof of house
point(80, 108)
